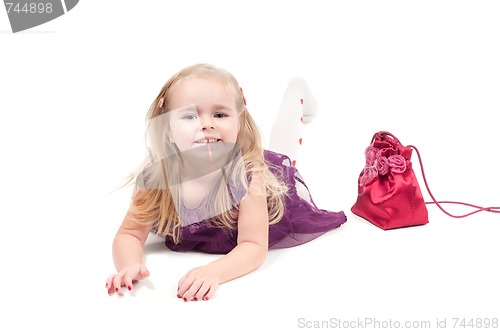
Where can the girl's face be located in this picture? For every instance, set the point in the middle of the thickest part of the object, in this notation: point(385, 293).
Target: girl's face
point(203, 114)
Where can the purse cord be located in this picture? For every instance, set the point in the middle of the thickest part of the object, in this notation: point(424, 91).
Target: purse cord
point(438, 203)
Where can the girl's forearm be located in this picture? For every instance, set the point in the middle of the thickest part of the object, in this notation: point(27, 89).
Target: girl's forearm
point(244, 258)
point(127, 250)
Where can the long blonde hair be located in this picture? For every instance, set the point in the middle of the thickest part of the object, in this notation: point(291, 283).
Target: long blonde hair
point(155, 204)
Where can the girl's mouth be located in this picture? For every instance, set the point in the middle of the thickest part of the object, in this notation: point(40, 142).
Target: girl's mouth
point(208, 140)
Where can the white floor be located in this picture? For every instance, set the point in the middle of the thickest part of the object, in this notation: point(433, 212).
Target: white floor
point(73, 96)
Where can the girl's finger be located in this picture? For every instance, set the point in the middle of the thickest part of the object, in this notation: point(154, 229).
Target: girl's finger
point(210, 294)
point(202, 291)
point(117, 282)
point(127, 281)
point(109, 282)
point(193, 289)
point(184, 285)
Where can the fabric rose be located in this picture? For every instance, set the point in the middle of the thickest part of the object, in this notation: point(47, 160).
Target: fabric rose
point(382, 164)
point(376, 165)
point(397, 163)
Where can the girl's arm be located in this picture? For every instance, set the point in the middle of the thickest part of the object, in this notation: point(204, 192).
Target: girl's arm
point(128, 253)
point(248, 255)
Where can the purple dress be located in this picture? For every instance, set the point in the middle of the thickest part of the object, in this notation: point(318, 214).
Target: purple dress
point(302, 221)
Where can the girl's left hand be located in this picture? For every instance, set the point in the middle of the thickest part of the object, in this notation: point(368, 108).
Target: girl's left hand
point(198, 284)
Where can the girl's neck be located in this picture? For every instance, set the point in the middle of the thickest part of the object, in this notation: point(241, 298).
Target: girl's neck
point(194, 191)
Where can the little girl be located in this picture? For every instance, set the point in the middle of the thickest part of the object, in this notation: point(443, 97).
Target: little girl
point(208, 185)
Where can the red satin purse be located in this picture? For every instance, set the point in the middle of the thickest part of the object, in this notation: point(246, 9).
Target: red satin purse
point(389, 195)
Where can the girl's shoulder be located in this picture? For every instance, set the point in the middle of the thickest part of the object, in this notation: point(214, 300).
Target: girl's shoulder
point(277, 159)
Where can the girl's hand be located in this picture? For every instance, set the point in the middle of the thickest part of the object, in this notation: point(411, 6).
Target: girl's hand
point(125, 277)
point(198, 284)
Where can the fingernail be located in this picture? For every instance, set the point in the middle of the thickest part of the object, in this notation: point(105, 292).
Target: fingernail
point(206, 298)
point(179, 297)
point(116, 289)
point(195, 299)
point(185, 299)
point(129, 287)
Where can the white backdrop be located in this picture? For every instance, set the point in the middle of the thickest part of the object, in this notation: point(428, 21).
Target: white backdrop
point(73, 97)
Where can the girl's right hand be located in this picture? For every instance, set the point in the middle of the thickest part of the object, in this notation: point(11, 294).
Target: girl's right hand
point(125, 277)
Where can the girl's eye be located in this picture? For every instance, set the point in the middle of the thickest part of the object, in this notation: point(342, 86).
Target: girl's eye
point(190, 116)
point(220, 115)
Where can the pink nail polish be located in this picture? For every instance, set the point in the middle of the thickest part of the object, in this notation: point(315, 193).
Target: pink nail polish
point(195, 299)
point(206, 298)
point(129, 287)
point(179, 297)
point(116, 289)
point(185, 299)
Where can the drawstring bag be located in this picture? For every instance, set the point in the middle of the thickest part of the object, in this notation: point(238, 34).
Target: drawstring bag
point(389, 195)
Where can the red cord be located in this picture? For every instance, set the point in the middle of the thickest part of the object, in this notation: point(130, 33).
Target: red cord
point(438, 203)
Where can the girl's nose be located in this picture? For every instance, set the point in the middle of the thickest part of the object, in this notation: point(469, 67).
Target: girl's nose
point(207, 123)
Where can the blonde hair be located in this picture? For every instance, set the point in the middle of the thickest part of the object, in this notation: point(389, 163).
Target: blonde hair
point(154, 201)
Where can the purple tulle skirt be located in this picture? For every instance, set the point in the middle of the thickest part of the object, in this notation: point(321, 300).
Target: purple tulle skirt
point(302, 221)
